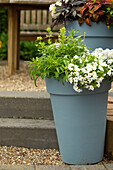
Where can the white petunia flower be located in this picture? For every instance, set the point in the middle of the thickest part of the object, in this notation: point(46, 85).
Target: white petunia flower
point(84, 70)
point(109, 72)
point(75, 57)
point(66, 1)
point(52, 7)
point(58, 3)
point(98, 84)
point(80, 78)
point(90, 80)
point(80, 60)
point(95, 66)
point(89, 74)
point(77, 89)
point(100, 79)
point(71, 66)
point(76, 73)
point(75, 79)
point(98, 50)
point(87, 86)
point(101, 68)
point(94, 74)
point(71, 60)
point(110, 61)
point(76, 68)
point(65, 56)
point(70, 80)
point(89, 67)
point(91, 88)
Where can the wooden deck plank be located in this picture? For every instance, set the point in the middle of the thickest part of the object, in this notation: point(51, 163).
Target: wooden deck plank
point(4, 1)
point(47, 2)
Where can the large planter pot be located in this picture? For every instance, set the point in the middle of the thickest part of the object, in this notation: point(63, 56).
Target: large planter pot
point(97, 35)
point(80, 120)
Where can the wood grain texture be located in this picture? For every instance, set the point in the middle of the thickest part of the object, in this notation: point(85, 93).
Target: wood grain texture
point(22, 17)
point(47, 2)
point(13, 40)
point(4, 1)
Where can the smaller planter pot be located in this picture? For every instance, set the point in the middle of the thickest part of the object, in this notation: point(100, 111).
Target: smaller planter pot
point(80, 120)
point(97, 35)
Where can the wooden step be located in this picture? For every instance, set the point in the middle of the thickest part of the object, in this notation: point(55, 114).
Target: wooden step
point(28, 133)
point(25, 105)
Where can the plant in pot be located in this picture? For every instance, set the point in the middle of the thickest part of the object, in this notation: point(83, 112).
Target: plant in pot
point(95, 17)
point(78, 82)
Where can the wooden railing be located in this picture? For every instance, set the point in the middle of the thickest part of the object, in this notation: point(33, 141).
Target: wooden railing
point(34, 23)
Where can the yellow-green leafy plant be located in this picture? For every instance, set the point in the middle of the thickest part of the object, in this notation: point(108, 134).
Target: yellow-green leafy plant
point(68, 58)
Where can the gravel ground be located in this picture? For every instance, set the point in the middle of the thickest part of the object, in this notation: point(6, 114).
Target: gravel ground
point(28, 156)
point(20, 81)
point(18, 155)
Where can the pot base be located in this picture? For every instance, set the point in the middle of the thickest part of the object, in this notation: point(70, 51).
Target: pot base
point(80, 120)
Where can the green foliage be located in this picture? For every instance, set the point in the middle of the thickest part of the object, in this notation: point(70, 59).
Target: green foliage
point(55, 56)
point(4, 45)
point(3, 20)
point(109, 10)
point(28, 50)
point(69, 59)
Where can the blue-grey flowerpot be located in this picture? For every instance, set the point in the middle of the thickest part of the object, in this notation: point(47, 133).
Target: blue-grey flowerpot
point(97, 35)
point(80, 120)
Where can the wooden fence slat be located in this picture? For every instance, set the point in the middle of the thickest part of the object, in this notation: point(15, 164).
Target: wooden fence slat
point(50, 18)
point(40, 20)
point(33, 17)
point(39, 17)
point(22, 15)
point(27, 17)
point(44, 17)
point(36, 20)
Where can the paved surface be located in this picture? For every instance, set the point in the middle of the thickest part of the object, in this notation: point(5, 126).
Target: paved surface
point(50, 167)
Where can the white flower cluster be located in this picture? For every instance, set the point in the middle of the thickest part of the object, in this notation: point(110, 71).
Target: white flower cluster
point(89, 70)
point(52, 7)
point(106, 55)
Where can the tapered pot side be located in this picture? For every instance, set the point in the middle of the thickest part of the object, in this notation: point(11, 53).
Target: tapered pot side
point(97, 35)
point(80, 120)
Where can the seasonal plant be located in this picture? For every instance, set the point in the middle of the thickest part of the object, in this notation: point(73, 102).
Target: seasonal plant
point(82, 10)
point(71, 60)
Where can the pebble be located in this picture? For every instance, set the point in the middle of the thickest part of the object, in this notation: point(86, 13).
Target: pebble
point(20, 81)
point(29, 156)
